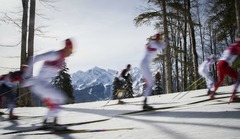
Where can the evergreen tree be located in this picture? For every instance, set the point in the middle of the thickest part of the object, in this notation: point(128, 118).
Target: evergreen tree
point(222, 18)
point(117, 84)
point(158, 85)
point(63, 82)
point(122, 85)
point(129, 88)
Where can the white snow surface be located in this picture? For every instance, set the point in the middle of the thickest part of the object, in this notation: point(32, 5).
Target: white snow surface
point(206, 120)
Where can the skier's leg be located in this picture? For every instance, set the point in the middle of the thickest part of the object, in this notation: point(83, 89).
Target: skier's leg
point(149, 86)
point(51, 96)
point(234, 75)
point(10, 95)
point(11, 105)
point(210, 83)
point(222, 70)
point(147, 75)
point(52, 112)
point(47, 91)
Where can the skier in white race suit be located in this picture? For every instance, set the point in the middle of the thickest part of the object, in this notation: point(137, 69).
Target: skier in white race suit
point(40, 85)
point(155, 44)
point(204, 71)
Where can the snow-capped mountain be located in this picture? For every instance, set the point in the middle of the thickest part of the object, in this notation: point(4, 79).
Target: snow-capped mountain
point(92, 77)
point(96, 84)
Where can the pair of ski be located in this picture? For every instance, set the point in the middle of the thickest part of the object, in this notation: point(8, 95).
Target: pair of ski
point(231, 100)
point(20, 118)
point(55, 129)
point(63, 128)
point(171, 107)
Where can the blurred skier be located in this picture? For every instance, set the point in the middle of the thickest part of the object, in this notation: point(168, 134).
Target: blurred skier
point(125, 72)
point(229, 55)
point(41, 84)
point(123, 80)
point(204, 71)
point(9, 83)
point(155, 44)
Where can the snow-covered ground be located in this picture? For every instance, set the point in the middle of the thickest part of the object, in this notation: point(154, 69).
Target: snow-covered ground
point(207, 120)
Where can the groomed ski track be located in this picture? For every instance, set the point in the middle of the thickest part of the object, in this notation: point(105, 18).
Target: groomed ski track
point(191, 117)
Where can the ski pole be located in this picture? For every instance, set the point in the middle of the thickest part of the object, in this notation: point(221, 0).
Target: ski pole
point(190, 90)
point(22, 95)
point(120, 90)
point(107, 102)
point(111, 98)
point(8, 91)
point(188, 87)
point(17, 99)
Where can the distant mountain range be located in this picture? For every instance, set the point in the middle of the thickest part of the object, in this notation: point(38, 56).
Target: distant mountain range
point(96, 84)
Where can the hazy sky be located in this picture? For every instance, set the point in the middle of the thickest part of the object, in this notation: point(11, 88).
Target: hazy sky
point(102, 30)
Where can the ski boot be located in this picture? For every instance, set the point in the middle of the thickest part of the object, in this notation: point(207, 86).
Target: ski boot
point(12, 117)
point(234, 98)
point(146, 106)
point(46, 123)
point(211, 94)
point(55, 121)
point(54, 125)
point(121, 102)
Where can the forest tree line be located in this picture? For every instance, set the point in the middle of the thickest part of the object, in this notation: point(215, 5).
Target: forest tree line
point(195, 29)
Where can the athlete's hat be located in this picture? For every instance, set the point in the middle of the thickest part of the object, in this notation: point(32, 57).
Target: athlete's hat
point(68, 44)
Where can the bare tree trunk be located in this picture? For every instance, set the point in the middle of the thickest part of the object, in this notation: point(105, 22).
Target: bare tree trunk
point(193, 41)
point(176, 69)
point(213, 49)
point(185, 53)
point(24, 32)
point(174, 33)
point(31, 28)
point(168, 50)
point(200, 31)
point(28, 97)
point(237, 7)
point(177, 61)
point(21, 101)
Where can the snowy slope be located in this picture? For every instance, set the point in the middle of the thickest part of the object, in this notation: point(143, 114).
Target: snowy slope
point(206, 120)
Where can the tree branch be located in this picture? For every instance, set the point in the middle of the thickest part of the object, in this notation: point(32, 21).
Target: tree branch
point(4, 45)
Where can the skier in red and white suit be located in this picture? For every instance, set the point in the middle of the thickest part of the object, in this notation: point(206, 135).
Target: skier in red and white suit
point(224, 65)
point(8, 88)
point(154, 45)
point(204, 71)
point(41, 84)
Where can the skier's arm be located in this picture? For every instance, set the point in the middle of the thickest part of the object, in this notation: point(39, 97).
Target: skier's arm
point(42, 57)
point(11, 84)
point(7, 82)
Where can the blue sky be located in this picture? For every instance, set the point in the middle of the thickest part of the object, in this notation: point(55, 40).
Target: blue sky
point(102, 30)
